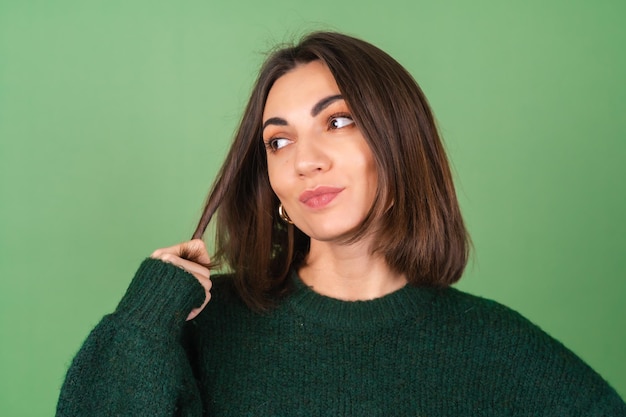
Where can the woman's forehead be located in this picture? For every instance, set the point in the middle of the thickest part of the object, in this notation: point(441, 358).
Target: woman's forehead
point(304, 86)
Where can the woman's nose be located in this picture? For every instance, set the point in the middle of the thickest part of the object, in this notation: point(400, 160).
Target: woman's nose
point(310, 156)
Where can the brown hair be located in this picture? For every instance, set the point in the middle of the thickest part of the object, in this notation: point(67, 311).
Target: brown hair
point(419, 228)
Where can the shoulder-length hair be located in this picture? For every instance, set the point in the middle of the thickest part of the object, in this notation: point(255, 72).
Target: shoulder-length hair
point(416, 217)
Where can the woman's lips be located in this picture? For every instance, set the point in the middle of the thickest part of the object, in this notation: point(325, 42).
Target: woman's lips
point(320, 196)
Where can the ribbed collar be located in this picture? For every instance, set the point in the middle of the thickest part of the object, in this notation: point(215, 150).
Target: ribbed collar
point(380, 312)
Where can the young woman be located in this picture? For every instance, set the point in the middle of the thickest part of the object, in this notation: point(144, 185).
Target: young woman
point(337, 215)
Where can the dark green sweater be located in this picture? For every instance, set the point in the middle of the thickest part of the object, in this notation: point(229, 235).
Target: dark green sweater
point(415, 352)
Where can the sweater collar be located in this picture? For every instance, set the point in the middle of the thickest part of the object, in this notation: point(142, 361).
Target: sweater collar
point(399, 305)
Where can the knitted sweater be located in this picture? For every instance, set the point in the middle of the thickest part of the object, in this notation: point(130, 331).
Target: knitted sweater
point(414, 352)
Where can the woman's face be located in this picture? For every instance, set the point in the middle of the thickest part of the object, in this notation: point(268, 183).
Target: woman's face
point(319, 163)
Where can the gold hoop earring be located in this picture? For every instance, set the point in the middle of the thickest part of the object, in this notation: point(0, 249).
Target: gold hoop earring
point(283, 214)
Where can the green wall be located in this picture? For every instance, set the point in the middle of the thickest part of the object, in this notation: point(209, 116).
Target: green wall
point(114, 117)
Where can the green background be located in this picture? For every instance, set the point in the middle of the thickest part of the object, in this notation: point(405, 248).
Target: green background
point(114, 117)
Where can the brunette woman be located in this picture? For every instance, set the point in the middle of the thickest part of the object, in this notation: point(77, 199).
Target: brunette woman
point(338, 221)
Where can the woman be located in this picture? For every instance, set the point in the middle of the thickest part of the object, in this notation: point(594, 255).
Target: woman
point(337, 214)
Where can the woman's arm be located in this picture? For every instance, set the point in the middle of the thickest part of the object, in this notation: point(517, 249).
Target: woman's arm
point(133, 362)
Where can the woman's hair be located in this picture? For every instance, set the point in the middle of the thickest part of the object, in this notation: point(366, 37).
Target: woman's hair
point(415, 216)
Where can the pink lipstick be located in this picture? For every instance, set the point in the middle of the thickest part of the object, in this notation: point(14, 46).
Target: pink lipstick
point(320, 196)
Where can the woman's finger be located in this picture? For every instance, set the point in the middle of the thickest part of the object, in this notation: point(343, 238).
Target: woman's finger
point(187, 265)
point(193, 250)
point(206, 283)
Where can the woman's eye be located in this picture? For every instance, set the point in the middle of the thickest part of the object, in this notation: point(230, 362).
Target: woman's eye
point(277, 143)
point(337, 122)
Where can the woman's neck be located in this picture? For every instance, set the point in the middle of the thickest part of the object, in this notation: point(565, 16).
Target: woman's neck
point(348, 272)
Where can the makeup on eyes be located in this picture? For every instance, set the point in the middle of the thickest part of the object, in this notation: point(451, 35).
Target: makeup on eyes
point(334, 106)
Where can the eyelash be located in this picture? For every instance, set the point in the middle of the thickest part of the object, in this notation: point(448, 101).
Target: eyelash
point(336, 116)
point(269, 144)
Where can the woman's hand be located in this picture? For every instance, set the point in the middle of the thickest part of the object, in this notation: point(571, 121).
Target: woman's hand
point(195, 250)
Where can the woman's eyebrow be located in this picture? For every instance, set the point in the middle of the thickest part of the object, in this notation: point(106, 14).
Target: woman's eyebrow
point(323, 103)
point(274, 121)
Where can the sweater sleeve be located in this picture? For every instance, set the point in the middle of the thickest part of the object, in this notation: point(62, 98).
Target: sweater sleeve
point(133, 362)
